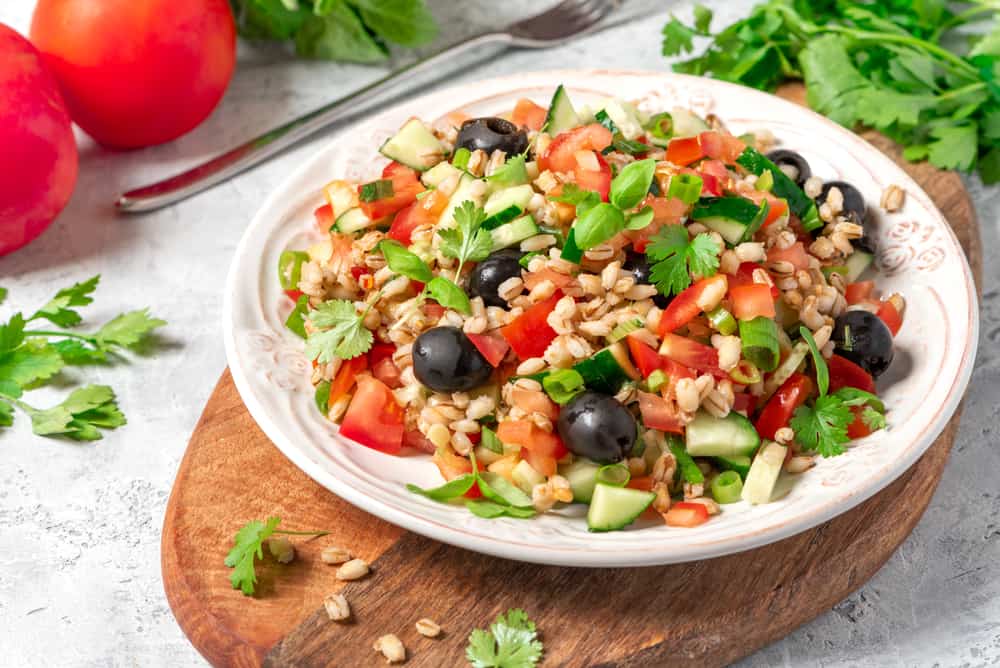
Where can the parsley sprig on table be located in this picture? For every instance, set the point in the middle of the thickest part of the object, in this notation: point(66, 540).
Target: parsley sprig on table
point(248, 545)
point(675, 258)
point(32, 354)
point(511, 642)
point(894, 65)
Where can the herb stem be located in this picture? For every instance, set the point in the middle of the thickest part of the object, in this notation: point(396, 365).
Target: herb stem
point(956, 92)
point(963, 17)
point(930, 47)
point(69, 335)
point(303, 533)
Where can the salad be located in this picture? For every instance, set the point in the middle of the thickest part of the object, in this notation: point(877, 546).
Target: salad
point(642, 313)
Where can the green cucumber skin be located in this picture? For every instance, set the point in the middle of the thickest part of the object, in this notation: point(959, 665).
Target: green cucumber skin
point(561, 116)
point(737, 219)
point(800, 203)
point(403, 147)
point(614, 508)
point(738, 463)
point(733, 435)
point(857, 263)
point(602, 373)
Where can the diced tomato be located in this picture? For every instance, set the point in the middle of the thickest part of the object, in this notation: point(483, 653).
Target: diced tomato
point(534, 278)
point(691, 354)
point(539, 448)
point(795, 254)
point(858, 292)
point(776, 207)
point(293, 294)
point(346, 376)
point(685, 150)
point(666, 211)
point(845, 373)
point(858, 428)
point(358, 272)
point(535, 401)
point(433, 310)
point(685, 514)
point(560, 156)
point(387, 372)
point(530, 334)
point(528, 114)
point(710, 186)
point(405, 187)
point(374, 418)
point(715, 178)
point(645, 483)
point(751, 301)
point(412, 438)
point(425, 211)
point(452, 465)
point(379, 352)
point(646, 359)
point(684, 308)
point(721, 146)
point(492, 345)
point(716, 168)
point(744, 276)
point(890, 316)
point(779, 409)
point(324, 218)
point(658, 413)
point(744, 402)
point(598, 180)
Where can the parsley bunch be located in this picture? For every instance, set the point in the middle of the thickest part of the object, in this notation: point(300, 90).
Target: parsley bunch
point(32, 354)
point(895, 65)
point(350, 30)
point(511, 642)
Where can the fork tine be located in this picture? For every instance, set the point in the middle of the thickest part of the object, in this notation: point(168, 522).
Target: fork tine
point(565, 20)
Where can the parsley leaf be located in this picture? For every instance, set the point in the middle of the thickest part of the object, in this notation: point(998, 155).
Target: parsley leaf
point(511, 173)
point(511, 642)
point(822, 428)
point(339, 332)
point(336, 32)
point(81, 416)
point(30, 363)
point(467, 241)
point(57, 309)
point(677, 37)
point(248, 545)
point(674, 258)
point(128, 329)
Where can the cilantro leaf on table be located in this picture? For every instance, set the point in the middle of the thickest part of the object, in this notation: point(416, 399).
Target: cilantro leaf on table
point(511, 642)
point(822, 428)
point(3, 295)
point(32, 362)
point(336, 32)
point(248, 545)
point(674, 258)
point(127, 329)
point(81, 416)
point(339, 332)
point(58, 311)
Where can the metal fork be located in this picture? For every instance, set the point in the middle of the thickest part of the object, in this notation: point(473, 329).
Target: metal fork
point(569, 18)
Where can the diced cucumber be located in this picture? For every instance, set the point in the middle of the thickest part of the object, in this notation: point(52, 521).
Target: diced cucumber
point(582, 477)
point(735, 218)
point(857, 262)
point(485, 456)
point(526, 477)
point(785, 370)
point(738, 463)
point(686, 123)
point(414, 146)
point(608, 369)
point(614, 508)
point(434, 176)
point(470, 189)
point(561, 114)
point(341, 195)
point(508, 197)
point(625, 117)
point(709, 436)
point(513, 232)
point(512, 212)
point(763, 473)
point(623, 329)
point(352, 220)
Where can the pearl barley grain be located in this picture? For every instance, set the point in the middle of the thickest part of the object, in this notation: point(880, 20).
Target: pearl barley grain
point(391, 648)
point(353, 570)
point(428, 628)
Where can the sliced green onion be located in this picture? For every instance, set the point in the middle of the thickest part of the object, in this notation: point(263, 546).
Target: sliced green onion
point(461, 158)
point(765, 182)
point(837, 269)
point(491, 441)
point(616, 475)
point(623, 329)
point(822, 372)
point(322, 397)
point(727, 487)
point(375, 190)
point(656, 380)
point(760, 342)
point(689, 470)
point(685, 187)
point(526, 258)
point(661, 126)
point(296, 321)
point(562, 385)
point(745, 373)
point(722, 320)
point(290, 268)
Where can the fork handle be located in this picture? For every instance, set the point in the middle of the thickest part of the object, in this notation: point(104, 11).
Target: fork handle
point(246, 155)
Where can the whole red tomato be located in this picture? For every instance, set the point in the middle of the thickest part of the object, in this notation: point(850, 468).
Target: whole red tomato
point(137, 72)
point(38, 157)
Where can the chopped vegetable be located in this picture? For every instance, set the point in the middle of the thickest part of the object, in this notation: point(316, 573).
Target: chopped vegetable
point(727, 487)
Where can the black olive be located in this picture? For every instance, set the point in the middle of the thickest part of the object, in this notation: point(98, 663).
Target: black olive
point(445, 360)
point(486, 278)
point(864, 339)
point(854, 209)
point(797, 168)
point(492, 134)
point(598, 427)
point(637, 264)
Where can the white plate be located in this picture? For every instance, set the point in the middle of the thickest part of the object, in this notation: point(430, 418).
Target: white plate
point(919, 256)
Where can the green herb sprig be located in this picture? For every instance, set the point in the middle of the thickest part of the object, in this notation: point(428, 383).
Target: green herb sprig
point(248, 546)
point(511, 642)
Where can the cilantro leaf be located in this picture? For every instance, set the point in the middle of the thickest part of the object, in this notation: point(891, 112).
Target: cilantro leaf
point(822, 428)
point(873, 419)
point(467, 241)
point(80, 416)
point(248, 545)
point(677, 37)
point(339, 332)
point(58, 311)
point(6, 414)
point(3, 295)
point(702, 19)
point(12, 334)
point(954, 146)
point(30, 363)
point(511, 642)
point(76, 352)
point(675, 257)
point(127, 329)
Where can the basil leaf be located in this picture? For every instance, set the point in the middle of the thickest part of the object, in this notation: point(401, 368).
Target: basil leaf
point(450, 490)
point(499, 489)
point(449, 295)
point(640, 219)
point(632, 183)
point(404, 262)
point(406, 22)
point(338, 35)
point(490, 510)
point(852, 396)
point(597, 225)
point(491, 441)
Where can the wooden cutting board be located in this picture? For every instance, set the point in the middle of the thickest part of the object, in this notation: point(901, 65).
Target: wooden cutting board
point(706, 613)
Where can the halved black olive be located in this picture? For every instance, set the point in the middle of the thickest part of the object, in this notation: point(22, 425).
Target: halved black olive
point(793, 164)
point(492, 134)
point(445, 360)
point(485, 279)
point(864, 339)
point(854, 209)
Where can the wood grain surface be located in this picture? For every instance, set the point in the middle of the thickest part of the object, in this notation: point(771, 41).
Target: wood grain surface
point(707, 613)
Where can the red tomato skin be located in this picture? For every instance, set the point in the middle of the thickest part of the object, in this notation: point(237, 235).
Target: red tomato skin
point(890, 316)
point(744, 276)
point(424, 211)
point(859, 292)
point(293, 294)
point(744, 402)
point(412, 438)
point(539, 448)
point(691, 354)
point(560, 156)
point(684, 151)
point(646, 359)
point(528, 114)
point(845, 373)
point(492, 345)
point(38, 158)
point(684, 307)
point(406, 186)
point(751, 301)
point(598, 181)
point(720, 146)
point(779, 409)
point(658, 413)
point(530, 334)
point(324, 217)
point(137, 73)
point(374, 419)
point(858, 428)
point(685, 514)
point(346, 377)
point(795, 254)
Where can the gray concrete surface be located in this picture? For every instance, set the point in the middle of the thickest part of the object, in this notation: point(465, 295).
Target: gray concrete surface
point(80, 524)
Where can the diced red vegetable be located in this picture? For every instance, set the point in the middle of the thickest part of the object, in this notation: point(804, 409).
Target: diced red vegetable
point(412, 438)
point(721, 146)
point(666, 211)
point(530, 334)
point(528, 114)
point(374, 419)
point(858, 428)
point(534, 278)
point(646, 359)
point(424, 211)
point(492, 345)
point(691, 354)
point(686, 514)
point(645, 483)
point(779, 409)
point(658, 413)
point(845, 373)
point(452, 465)
point(795, 254)
point(540, 448)
point(405, 188)
point(744, 276)
point(560, 156)
point(684, 308)
point(890, 316)
point(346, 377)
point(858, 292)
point(685, 150)
point(293, 294)
point(535, 401)
point(751, 301)
point(324, 218)
point(744, 402)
